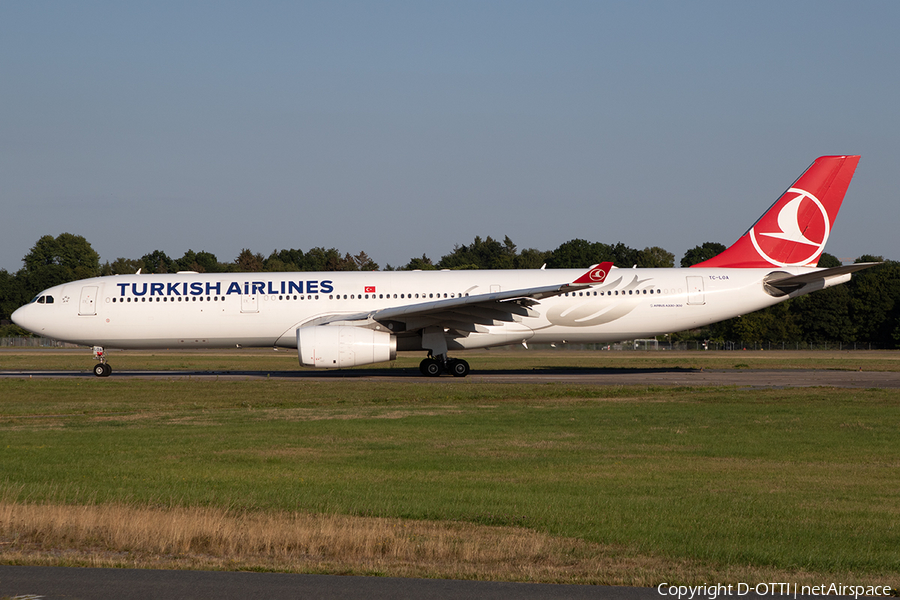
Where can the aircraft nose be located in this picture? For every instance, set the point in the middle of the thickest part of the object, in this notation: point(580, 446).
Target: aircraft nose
point(24, 317)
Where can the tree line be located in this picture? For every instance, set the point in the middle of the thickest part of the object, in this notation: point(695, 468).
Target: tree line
point(867, 309)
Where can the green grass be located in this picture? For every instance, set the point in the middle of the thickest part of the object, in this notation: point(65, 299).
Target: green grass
point(797, 479)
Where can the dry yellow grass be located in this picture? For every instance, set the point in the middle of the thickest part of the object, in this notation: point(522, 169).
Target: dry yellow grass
point(212, 538)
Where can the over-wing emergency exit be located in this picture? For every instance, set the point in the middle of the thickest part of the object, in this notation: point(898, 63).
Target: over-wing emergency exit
point(343, 319)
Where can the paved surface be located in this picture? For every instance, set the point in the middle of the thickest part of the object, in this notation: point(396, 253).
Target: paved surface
point(51, 583)
point(64, 583)
point(749, 378)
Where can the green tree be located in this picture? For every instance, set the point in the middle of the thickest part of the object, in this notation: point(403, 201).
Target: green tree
point(825, 315)
point(12, 294)
point(704, 251)
point(531, 258)
point(158, 262)
point(360, 262)
point(247, 262)
point(827, 261)
point(624, 256)
point(419, 264)
point(578, 254)
point(655, 258)
point(481, 254)
point(53, 261)
point(285, 260)
point(121, 266)
point(875, 302)
point(320, 259)
point(776, 323)
point(202, 262)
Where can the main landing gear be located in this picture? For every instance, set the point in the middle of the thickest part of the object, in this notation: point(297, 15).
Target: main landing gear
point(434, 366)
point(101, 369)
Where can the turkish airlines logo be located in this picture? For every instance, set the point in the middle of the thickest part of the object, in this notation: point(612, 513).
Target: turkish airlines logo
point(597, 275)
point(370, 289)
point(796, 234)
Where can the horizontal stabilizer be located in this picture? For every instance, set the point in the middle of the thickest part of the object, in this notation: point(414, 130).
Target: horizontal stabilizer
point(780, 283)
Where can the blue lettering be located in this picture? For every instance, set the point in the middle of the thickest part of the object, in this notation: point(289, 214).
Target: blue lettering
point(156, 289)
point(172, 290)
point(122, 288)
point(137, 293)
point(217, 288)
point(234, 288)
point(196, 288)
point(327, 288)
point(271, 291)
point(295, 287)
point(282, 287)
point(184, 289)
point(312, 287)
point(259, 287)
point(246, 288)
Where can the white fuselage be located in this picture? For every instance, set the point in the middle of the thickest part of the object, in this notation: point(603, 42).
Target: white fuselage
point(191, 310)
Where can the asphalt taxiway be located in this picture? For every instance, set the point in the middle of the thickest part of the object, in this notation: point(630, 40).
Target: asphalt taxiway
point(67, 583)
point(741, 378)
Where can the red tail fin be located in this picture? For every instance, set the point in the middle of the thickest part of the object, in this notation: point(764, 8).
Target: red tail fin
point(794, 230)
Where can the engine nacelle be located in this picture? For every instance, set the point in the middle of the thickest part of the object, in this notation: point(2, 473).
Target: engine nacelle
point(337, 346)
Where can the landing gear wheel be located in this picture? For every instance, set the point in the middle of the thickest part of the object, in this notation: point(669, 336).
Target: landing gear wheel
point(430, 367)
point(102, 370)
point(459, 367)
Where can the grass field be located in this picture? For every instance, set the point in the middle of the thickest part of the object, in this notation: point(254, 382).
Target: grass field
point(539, 482)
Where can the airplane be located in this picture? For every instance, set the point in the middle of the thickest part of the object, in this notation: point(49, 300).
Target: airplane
point(345, 319)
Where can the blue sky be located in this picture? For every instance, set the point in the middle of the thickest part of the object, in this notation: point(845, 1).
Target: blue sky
point(403, 128)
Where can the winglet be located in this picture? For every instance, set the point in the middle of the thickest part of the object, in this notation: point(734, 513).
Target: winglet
point(596, 274)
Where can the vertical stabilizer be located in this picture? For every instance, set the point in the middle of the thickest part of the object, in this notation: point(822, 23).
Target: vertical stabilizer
point(793, 232)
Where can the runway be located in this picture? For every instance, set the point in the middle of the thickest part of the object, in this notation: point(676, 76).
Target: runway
point(740, 378)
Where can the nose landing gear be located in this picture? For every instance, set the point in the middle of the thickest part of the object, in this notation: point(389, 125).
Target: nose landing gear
point(101, 369)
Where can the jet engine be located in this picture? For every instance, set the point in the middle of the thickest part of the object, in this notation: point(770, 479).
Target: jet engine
point(337, 346)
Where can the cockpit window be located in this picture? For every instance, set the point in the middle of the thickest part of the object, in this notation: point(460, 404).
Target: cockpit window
point(49, 299)
point(43, 300)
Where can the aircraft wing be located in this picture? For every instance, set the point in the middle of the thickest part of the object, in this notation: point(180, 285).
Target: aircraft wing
point(468, 314)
